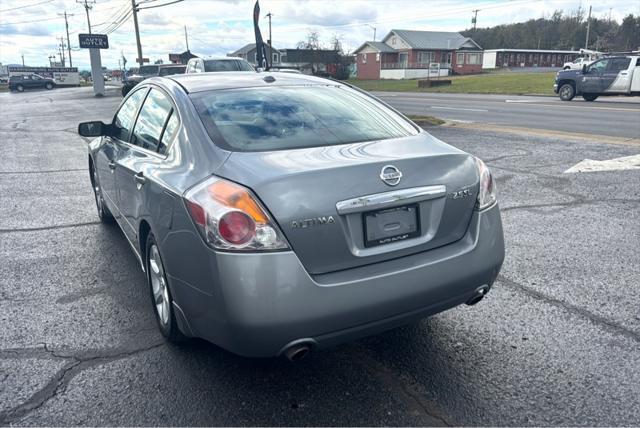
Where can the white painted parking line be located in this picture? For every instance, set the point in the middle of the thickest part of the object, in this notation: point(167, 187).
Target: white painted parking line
point(457, 108)
point(617, 164)
point(523, 101)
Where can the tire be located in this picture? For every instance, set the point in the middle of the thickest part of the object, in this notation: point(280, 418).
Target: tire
point(20, 88)
point(125, 91)
point(103, 211)
point(589, 97)
point(159, 292)
point(567, 92)
point(49, 86)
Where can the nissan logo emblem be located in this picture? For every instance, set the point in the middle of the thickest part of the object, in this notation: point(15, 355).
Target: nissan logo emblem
point(390, 175)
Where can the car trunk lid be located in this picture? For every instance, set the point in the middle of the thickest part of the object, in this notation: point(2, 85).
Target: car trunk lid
point(336, 210)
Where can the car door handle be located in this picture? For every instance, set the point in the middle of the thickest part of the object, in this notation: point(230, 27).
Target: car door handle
point(624, 73)
point(139, 179)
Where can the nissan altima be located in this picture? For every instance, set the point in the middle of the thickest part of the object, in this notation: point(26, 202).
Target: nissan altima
point(274, 213)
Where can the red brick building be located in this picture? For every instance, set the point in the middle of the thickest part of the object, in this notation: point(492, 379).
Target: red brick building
point(406, 54)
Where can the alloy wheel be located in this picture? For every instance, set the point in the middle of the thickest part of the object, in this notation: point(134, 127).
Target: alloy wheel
point(159, 285)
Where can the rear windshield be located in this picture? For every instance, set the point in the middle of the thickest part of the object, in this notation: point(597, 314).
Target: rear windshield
point(168, 71)
point(226, 65)
point(148, 69)
point(277, 118)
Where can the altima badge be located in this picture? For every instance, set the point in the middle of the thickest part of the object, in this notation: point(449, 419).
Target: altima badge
point(390, 175)
point(315, 221)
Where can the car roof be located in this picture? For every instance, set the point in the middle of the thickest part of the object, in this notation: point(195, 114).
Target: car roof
point(200, 82)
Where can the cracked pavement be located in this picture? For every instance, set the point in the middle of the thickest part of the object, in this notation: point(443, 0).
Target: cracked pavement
point(556, 342)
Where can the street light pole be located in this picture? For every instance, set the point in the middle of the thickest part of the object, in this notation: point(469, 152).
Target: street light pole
point(586, 41)
point(269, 15)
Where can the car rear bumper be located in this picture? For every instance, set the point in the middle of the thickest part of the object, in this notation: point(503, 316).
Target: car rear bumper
point(263, 302)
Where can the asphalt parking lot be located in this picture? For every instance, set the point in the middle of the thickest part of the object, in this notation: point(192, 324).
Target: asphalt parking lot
point(556, 342)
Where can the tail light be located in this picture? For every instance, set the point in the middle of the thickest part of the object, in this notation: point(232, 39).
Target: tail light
point(229, 217)
point(487, 192)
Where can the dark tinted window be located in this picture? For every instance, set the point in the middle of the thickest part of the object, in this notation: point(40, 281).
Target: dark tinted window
point(127, 114)
point(168, 71)
point(148, 69)
point(227, 65)
point(294, 117)
point(151, 120)
point(618, 64)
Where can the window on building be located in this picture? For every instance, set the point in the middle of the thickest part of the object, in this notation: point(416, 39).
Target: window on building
point(393, 40)
point(474, 58)
point(275, 58)
point(364, 58)
point(460, 58)
point(426, 57)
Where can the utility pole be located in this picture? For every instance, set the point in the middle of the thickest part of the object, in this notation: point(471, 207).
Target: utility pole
point(22, 59)
point(51, 59)
point(87, 5)
point(66, 23)
point(474, 20)
point(610, 15)
point(374, 31)
point(62, 58)
point(269, 15)
point(134, 8)
point(586, 41)
point(186, 38)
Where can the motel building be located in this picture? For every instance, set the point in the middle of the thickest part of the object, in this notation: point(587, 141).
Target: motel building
point(514, 58)
point(408, 54)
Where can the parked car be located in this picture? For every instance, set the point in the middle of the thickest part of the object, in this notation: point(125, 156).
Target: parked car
point(203, 65)
point(274, 213)
point(147, 71)
point(30, 81)
point(614, 75)
point(577, 63)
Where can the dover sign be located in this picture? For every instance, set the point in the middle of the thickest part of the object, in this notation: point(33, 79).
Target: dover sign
point(93, 41)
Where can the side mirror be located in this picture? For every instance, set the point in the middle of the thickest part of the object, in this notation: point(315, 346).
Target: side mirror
point(92, 129)
point(584, 68)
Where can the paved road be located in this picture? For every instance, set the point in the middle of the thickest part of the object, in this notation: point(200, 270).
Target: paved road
point(556, 342)
point(615, 116)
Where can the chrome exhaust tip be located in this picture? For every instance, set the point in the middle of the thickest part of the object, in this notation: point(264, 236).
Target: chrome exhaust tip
point(478, 295)
point(297, 352)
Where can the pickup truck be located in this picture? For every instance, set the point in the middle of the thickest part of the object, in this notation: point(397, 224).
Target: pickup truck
point(613, 75)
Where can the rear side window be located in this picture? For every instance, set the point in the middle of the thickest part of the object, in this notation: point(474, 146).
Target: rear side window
point(169, 132)
point(127, 114)
point(277, 118)
point(619, 64)
point(153, 116)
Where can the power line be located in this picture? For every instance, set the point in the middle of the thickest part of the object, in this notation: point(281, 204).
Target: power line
point(160, 5)
point(25, 6)
point(30, 22)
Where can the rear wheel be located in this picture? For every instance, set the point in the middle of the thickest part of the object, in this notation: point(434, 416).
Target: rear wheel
point(589, 97)
point(20, 88)
point(160, 294)
point(103, 212)
point(49, 86)
point(567, 92)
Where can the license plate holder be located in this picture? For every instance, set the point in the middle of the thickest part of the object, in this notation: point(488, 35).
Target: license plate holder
point(391, 225)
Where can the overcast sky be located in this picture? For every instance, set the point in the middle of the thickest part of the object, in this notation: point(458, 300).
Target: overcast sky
point(216, 27)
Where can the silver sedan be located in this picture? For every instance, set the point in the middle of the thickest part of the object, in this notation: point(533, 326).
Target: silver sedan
point(274, 213)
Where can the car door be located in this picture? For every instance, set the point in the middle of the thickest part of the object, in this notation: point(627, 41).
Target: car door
point(138, 158)
point(616, 77)
point(107, 154)
point(592, 79)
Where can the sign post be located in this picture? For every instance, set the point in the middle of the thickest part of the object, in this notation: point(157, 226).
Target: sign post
point(95, 42)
